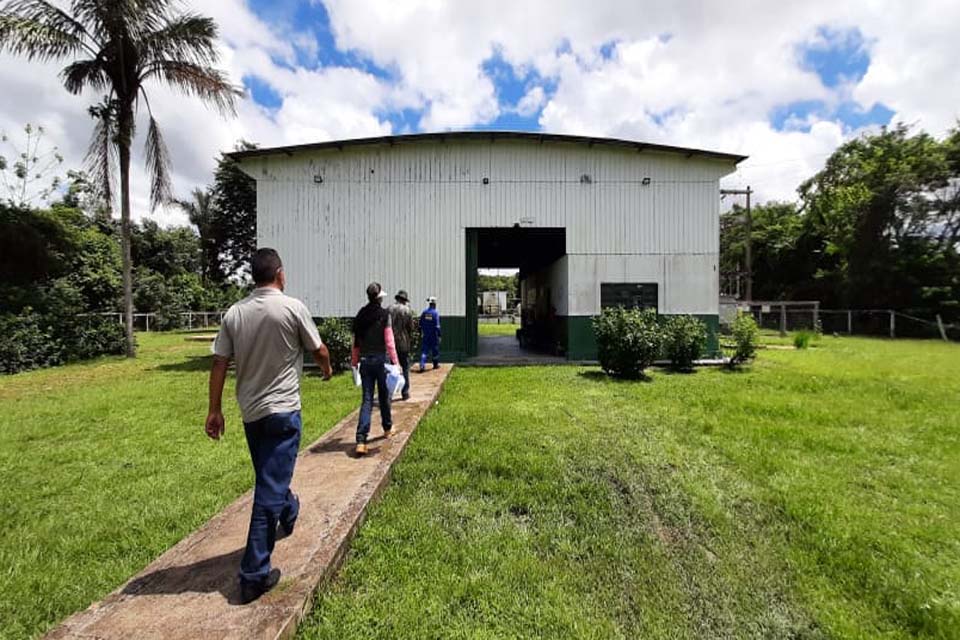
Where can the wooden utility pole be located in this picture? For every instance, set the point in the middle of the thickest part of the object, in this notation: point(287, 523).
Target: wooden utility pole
point(749, 237)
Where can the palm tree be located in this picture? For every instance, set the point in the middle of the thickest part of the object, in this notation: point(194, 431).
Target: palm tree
point(118, 47)
point(202, 215)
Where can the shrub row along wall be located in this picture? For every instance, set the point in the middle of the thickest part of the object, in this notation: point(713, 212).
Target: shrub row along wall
point(31, 341)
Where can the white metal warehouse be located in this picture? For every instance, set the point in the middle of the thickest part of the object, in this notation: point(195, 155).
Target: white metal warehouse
point(588, 221)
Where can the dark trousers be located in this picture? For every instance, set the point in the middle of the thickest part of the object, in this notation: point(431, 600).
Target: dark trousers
point(273, 442)
point(373, 373)
point(404, 358)
point(430, 347)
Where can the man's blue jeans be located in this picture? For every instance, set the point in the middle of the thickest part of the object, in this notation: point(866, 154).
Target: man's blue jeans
point(404, 358)
point(373, 373)
point(273, 442)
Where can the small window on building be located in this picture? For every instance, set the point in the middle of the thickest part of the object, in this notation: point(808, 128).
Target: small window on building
point(632, 295)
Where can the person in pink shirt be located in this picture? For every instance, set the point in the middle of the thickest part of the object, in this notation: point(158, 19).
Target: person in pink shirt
point(373, 344)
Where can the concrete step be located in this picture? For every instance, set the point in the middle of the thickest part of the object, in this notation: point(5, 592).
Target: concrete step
point(191, 591)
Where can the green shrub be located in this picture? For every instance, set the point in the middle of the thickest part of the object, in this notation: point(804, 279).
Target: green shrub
point(338, 337)
point(628, 341)
point(746, 336)
point(684, 339)
point(90, 337)
point(32, 341)
point(25, 343)
point(801, 339)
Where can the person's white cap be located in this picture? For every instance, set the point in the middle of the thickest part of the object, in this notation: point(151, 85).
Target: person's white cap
point(432, 299)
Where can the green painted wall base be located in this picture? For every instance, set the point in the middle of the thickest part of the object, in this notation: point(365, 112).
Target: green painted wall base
point(453, 344)
point(575, 336)
point(581, 344)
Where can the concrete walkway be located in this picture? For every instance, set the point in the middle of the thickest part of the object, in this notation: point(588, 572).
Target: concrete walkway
point(505, 350)
point(191, 591)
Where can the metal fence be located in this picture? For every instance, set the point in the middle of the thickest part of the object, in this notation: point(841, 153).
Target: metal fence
point(189, 319)
point(863, 322)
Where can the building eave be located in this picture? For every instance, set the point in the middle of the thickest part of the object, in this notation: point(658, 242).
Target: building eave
point(484, 136)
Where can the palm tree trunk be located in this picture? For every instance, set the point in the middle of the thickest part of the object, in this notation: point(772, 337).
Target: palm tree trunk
point(125, 241)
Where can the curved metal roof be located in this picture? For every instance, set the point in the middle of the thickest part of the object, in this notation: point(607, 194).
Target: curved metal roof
point(491, 136)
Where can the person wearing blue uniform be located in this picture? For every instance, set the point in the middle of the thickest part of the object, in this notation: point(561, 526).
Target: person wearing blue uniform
point(430, 334)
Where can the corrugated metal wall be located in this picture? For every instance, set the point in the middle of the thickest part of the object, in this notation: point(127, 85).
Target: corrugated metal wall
point(397, 214)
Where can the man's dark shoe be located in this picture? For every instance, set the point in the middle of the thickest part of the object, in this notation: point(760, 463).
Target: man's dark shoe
point(285, 529)
point(405, 396)
point(250, 591)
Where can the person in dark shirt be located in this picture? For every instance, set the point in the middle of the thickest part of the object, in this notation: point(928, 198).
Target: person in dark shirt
point(372, 345)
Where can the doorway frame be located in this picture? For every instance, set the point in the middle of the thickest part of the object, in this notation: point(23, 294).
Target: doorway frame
point(471, 333)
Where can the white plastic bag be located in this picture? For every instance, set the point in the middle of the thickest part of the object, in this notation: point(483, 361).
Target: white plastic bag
point(356, 375)
point(394, 379)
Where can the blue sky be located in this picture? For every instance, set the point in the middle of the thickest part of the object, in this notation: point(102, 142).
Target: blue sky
point(838, 56)
point(784, 84)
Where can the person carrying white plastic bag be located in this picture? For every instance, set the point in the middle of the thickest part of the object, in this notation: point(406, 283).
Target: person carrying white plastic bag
point(373, 344)
point(356, 375)
point(395, 380)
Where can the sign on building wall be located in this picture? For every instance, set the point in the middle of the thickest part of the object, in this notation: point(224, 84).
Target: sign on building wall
point(641, 295)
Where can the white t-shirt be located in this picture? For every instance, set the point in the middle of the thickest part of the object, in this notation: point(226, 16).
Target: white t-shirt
point(266, 334)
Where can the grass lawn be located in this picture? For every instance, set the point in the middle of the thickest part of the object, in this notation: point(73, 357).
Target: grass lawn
point(487, 329)
point(105, 466)
point(816, 494)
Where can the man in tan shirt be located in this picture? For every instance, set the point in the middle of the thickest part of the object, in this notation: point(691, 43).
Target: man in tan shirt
point(266, 334)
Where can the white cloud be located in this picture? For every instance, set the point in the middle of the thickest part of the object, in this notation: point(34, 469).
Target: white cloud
point(693, 73)
point(531, 103)
point(318, 105)
point(686, 73)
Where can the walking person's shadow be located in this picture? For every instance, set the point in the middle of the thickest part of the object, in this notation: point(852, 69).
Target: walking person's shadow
point(216, 574)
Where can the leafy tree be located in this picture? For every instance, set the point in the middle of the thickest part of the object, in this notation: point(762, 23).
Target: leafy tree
point(510, 284)
point(204, 217)
point(29, 173)
point(879, 227)
point(168, 252)
point(234, 227)
point(56, 248)
point(117, 47)
point(873, 195)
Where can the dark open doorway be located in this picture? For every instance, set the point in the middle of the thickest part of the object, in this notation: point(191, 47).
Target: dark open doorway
point(531, 251)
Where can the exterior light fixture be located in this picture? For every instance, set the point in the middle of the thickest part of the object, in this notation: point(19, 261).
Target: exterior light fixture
point(646, 181)
point(318, 178)
point(486, 181)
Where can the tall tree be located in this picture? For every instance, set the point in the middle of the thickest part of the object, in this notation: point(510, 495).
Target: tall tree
point(203, 216)
point(118, 47)
point(28, 173)
point(235, 214)
point(875, 194)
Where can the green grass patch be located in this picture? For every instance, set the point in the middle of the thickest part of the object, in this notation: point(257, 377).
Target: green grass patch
point(815, 494)
point(488, 329)
point(105, 466)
